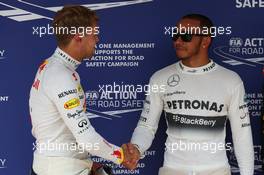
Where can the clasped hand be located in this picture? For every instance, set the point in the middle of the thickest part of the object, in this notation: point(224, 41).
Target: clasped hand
point(131, 156)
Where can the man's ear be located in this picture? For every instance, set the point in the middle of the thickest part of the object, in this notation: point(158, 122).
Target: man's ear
point(206, 42)
point(77, 38)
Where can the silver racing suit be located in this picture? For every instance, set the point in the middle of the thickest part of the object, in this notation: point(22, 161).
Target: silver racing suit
point(197, 102)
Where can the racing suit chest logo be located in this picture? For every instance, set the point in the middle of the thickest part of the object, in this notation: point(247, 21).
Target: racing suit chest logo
point(173, 80)
point(65, 93)
point(195, 104)
point(72, 103)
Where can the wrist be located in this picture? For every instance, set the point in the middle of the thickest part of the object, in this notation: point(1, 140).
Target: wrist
point(139, 150)
point(122, 157)
point(119, 155)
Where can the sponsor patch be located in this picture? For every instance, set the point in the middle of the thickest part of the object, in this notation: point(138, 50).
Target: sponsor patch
point(72, 103)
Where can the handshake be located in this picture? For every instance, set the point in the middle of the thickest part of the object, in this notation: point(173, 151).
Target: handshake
point(131, 156)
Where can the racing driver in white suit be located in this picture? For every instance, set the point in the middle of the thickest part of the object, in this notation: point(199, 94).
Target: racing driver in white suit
point(197, 96)
point(63, 133)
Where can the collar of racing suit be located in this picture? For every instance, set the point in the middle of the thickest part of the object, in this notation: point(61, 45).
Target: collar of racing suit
point(67, 59)
point(197, 70)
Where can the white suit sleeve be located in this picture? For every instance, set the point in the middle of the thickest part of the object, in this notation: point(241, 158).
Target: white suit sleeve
point(241, 131)
point(65, 93)
point(148, 123)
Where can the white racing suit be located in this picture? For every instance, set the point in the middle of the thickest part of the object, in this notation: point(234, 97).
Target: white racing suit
point(196, 103)
point(63, 133)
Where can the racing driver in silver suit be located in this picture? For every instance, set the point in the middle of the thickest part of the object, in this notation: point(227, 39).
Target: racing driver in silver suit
point(197, 97)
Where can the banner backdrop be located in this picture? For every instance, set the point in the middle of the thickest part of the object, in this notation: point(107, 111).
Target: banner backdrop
point(134, 43)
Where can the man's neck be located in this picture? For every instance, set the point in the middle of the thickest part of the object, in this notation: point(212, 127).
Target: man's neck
point(196, 61)
point(72, 52)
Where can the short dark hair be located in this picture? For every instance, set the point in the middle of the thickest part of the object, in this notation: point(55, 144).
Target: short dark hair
point(204, 20)
point(72, 16)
